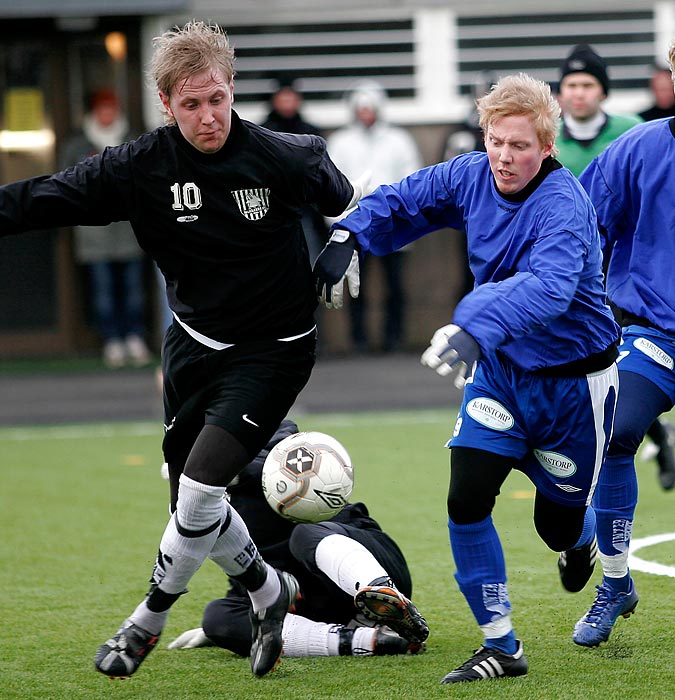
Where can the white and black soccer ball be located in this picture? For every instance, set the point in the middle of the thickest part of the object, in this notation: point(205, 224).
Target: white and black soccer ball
point(308, 477)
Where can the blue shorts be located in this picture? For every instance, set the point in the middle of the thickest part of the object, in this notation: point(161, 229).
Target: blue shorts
point(651, 354)
point(555, 428)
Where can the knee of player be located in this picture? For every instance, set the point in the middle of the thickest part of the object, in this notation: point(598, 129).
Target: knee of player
point(558, 541)
point(305, 538)
point(625, 440)
point(465, 511)
point(559, 535)
point(230, 632)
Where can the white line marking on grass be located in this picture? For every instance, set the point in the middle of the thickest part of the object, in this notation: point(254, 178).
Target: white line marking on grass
point(650, 567)
point(143, 428)
point(383, 418)
point(78, 432)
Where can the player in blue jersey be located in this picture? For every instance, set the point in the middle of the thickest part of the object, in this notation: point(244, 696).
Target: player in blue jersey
point(632, 187)
point(535, 337)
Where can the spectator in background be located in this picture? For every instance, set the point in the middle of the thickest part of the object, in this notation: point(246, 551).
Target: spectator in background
point(113, 259)
point(390, 153)
point(586, 129)
point(469, 136)
point(661, 85)
point(285, 116)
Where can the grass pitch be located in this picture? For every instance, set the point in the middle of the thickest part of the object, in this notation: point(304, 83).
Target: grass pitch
point(82, 509)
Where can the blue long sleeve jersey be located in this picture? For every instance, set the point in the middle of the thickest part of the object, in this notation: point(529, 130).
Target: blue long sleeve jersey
point(539, 295)
point(632, 186)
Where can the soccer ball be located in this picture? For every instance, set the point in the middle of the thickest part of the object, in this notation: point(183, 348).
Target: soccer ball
point(308, 477)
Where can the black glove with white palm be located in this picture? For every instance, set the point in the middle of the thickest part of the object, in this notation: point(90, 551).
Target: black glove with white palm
point(338, 261)
point(452, 348)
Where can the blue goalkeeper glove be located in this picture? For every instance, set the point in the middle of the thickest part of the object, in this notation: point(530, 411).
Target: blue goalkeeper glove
point(338, 261)
point(452, 348)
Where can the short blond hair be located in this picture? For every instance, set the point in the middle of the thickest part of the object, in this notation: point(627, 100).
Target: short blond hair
point(189, 50)
point(671, 59)
point(522, 95)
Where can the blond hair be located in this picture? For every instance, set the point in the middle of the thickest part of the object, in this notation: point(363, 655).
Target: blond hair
point(189, 50)
point(522, 95)
point(671, 59)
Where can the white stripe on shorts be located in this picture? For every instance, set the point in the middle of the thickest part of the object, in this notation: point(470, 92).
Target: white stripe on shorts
point(599, 386)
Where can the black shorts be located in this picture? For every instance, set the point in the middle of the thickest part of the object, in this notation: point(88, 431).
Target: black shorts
point(247, 389)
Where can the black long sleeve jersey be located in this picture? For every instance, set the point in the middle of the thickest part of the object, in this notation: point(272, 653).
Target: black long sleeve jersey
point(224, 228)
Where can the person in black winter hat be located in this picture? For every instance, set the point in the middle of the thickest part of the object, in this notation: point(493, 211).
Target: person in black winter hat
point(586, 129)
point(285, 115)
point(583, 59)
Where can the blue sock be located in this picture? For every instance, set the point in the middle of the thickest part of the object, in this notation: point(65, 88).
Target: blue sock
point(614, 503)
point(588, 531)
point(618, 585)
point(507, 643)
point(481, 574)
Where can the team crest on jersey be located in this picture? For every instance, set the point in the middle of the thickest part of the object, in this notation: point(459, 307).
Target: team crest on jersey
point(253, 204)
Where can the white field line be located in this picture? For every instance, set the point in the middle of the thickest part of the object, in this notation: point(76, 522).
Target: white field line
point(650, 567)
point(143, 428)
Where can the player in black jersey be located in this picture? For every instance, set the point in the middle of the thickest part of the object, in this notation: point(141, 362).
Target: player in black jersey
point(217, 202)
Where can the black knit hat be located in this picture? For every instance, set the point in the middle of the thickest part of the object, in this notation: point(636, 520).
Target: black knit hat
point(583, 59)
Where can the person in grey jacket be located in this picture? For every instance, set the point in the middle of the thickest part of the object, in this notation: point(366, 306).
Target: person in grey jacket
point(113, 259)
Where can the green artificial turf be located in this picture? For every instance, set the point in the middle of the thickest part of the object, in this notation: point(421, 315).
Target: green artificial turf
point(82, 509)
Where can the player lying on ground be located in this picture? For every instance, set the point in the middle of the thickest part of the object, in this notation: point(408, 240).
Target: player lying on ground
point(354, 581)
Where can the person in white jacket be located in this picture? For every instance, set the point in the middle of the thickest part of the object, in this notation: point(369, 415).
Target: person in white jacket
point(371, 143)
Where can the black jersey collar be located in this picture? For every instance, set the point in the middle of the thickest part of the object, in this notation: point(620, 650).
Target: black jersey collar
point(235, 141)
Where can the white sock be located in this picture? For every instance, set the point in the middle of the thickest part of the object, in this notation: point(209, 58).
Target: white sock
point(148, 620)
point(497, 628)
point(303, 637)
point(268, 592)
point(199, 507)
point(234, 550)
point(347, 563)
point(363, 641)
point(615, 565)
